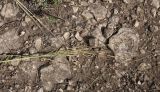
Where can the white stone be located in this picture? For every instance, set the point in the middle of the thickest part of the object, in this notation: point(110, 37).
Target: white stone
point(66, 35)
point(38, 43)
point(75, 9)
point(136, 24)
point(78, 37)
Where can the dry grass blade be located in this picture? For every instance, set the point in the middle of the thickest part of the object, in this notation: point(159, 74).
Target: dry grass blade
point(61, 53)
point(32, 16)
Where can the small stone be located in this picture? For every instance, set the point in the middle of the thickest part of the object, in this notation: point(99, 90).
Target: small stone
point(144, 66)
point(127, 1)
point(61, 90)
point(11, 68)
point(142, 51)
point(156, 3)
point(9, 10)
point(27, 19)
point(91, 1)
point(40, 90)
point(154, 12)
point(116, 11)
point(23, 23)
point(136, 24)
point(66, 35)
point(35, 28)
point(87, 14)
point(99, 11)
point(38, 43)
point(32, 51)
point(22, 33)
point(78, 37)
point(75, 9)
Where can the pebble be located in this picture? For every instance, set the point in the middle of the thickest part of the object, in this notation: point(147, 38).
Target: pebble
point(75, 9)
point(144, 66)
point(78, 37)
point(38, 43)
point(154, 12)
point(87, 14)
point(136, 24)
point(127, 1)
point(27, 19)
point(66, 35)
point(9, 10)
point(40, 90)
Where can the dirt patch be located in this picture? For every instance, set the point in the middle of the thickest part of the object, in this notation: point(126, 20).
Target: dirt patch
point(79, 46)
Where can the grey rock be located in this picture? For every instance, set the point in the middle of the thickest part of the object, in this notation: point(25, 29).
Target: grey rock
point(99, 38)
point(55, 73)
point(98, 11)
point(9, 41)
point(9, 10)
point(124, 45)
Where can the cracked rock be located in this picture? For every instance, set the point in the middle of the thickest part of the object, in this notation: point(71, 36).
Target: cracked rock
point(55, 73)
point(124, 45)
point(9, 10)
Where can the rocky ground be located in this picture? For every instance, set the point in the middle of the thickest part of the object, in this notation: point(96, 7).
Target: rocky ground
point(80, 46)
